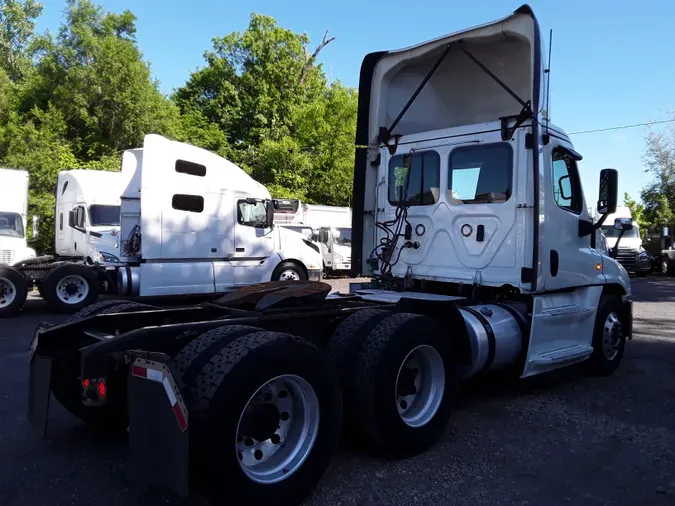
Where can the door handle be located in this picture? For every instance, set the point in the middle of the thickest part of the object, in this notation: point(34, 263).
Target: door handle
point(240, 250)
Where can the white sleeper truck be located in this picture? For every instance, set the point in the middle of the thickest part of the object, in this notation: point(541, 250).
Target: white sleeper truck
point(468, 213)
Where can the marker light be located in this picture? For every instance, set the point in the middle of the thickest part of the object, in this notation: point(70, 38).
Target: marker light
point(101, 389)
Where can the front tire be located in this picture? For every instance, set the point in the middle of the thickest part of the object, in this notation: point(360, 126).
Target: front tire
point(667, 268)
point(289, 271)
point(266, 418)
point(71, 287)
point(13, 291)
point(609, 340)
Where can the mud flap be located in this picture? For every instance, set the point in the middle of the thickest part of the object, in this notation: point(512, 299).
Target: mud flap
point(39, 383)
point(158, 425)
point(39, 392)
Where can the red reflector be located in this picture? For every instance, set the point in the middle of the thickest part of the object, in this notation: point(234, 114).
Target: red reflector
point(85, 384)
point(139, 371)
point(101, 389)
point(182, 423)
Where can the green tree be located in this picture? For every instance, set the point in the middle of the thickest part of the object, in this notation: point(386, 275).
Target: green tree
point(17, 26)
point(94, 74)
point(659, 196)
point(637, 211)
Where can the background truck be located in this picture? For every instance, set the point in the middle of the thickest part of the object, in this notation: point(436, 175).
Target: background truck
point(331, 230)
point(87, 217)
point(660, 245)
point(13, 226)
point(203, 226)
point(244, 397)
point(631, 253)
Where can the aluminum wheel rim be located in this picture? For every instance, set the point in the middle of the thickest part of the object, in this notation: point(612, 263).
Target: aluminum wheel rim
point(289, 275)
point(7, 292)
point(72, 289)
point(612, 333)
point(420, 385)
point(268, 455)
point(664, 267)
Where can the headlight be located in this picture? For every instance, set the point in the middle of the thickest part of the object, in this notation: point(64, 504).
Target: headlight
point(643, 255)
point(108, 258)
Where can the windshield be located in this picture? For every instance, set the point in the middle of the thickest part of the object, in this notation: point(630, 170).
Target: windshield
point(610, 231)
point(104, 215)
point(11, 224)
point(306, 231)
point(342, 236)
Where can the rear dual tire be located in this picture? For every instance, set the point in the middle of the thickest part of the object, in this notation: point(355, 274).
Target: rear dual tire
point(398, 375)
point(256, 395)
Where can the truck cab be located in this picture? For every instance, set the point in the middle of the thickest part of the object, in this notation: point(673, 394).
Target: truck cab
point(87, 221)
point(336, 248)
point(463, 186)
point(630, 252)
point(195, 223)
point(13, 217)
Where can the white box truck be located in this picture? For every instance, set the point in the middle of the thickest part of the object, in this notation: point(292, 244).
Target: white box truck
point(479, 262)
point(14, 217)
point(331, 226)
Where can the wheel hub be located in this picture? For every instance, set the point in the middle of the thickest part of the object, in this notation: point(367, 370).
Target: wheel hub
point(420, 386)
point(277, 429)
point(612, 334)
point(260, 422)
point(7, 292)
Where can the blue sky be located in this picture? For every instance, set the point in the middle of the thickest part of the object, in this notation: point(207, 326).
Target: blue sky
point(612, 60)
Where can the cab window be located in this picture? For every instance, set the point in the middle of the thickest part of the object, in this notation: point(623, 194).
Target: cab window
point(566, 184)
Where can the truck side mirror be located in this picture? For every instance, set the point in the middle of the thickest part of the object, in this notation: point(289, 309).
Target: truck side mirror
point(36, 223)
point(72, 218)
point(270, 215)
point(608, 191)
point(623, 224)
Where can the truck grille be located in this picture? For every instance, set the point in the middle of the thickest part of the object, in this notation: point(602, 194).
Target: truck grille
point(6, 256)
point(626, 257)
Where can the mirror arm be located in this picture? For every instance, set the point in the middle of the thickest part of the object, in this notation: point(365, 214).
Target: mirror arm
point(615, 249)
point(600, 222)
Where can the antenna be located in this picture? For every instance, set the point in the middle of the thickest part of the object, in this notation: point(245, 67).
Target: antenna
point(548, 81)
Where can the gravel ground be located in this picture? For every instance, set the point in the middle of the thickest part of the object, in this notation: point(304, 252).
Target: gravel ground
point(565, 438)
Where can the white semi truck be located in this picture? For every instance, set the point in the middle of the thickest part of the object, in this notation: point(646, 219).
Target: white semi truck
point(202, 226)
point(630, 253)
point(331, 229)
point(468, 213)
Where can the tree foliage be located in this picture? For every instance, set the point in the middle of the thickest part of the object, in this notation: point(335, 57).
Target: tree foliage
point(80, 96)
point(659, 196)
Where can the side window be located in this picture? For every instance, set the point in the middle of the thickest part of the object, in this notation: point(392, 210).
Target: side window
point(81, 217)
point(189, 203)
point(566, 185)
point(252, 214)
point(417, 185)
point(191, 168)
point(65, 185)
point(61, 221)
point(480, 174)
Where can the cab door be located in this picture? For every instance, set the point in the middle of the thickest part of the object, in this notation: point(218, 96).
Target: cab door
point(567, 259)
point(253, 240)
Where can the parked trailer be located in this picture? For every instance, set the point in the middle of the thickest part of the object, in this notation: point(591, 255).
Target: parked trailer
point(244, 397)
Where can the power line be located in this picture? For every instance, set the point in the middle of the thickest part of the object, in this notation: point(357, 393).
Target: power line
point(622, 127)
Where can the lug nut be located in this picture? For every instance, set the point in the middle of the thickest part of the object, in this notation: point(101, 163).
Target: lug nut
point(258, 454)
point(275, 439)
